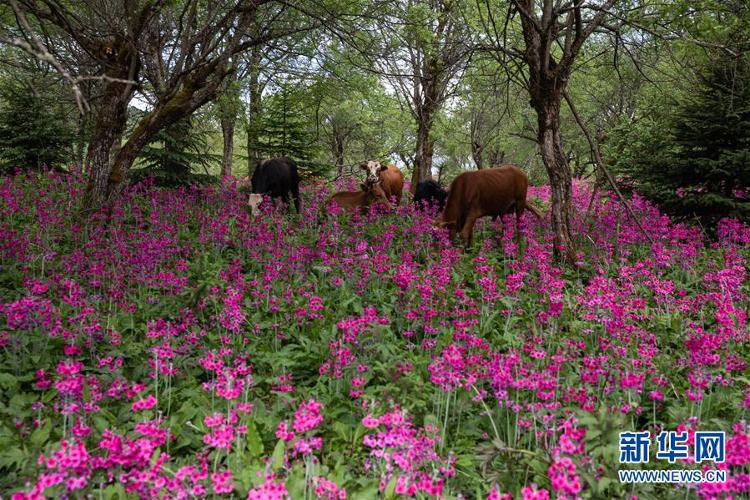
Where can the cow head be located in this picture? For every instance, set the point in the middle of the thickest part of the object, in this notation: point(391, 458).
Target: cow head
point(253, 201)
point(373, 169)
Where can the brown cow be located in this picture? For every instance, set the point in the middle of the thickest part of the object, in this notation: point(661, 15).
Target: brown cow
point(351, 200)
point(493, 191)
point(390, 177)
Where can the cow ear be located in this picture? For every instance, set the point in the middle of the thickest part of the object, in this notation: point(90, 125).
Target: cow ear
point(383, 167)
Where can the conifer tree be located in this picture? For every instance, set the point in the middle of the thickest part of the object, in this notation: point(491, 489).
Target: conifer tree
point(696, 163)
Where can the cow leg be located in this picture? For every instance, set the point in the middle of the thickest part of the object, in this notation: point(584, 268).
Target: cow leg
point(467, 232)
point(287, 200)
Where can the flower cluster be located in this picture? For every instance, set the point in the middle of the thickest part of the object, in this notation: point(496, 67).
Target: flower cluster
point(405, 454)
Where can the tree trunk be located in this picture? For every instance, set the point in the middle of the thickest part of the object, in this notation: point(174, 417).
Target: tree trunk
point(164, 115)
point(338, 152)
point(110, 123)
point(476, 154)
point(227, 131)
point(423, 157)
point(111, 119)
point(255, 110)
point(228, 104)
point(558, 170)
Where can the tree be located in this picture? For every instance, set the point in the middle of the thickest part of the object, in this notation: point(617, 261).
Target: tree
point(340, 123)
point(176, 55)
point(34, 128)
point(254, 108)
point(424, 49)
point(357, 118)
point(287, 130)
point(696, 162)
point(273, 63)
point(485, 107)
point(553, 34)
point(174, 152)
point(228, 107)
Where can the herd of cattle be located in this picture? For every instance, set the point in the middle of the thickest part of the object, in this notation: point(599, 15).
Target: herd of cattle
point(490, 192)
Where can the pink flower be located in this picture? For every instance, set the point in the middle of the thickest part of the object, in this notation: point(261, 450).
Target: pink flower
point(144, 404)
point(269, 490)
point(328, 490)
point(656, 395)
point(221, 482)
point(283, 432)
point(370, 422)
point(307, 417)
point(532, 493)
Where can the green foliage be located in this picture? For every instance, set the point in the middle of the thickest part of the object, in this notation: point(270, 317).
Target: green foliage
point(33, 129)
point(356, 110)
point(287, 130)
point(176, 152)
point(696, 161)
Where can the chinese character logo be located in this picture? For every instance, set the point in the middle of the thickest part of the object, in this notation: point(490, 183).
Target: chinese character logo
point(709, 446)
point(672, 445)
point(634, 447)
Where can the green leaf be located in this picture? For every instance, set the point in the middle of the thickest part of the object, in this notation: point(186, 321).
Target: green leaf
point(390, 489)
point(603, 483)
point(254, 443)
point(8, 381)
point(41, 434)
point(277, 459)
point(115, 491)
point(343, 431)
point(12, 457)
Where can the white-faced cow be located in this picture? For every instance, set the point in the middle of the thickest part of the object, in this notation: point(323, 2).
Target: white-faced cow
point(390, 177)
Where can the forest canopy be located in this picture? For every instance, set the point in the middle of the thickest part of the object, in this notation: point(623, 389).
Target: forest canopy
point(190, 91)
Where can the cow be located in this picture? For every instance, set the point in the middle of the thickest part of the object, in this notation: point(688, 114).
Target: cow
point(390, 177)
point(489, 192)
point(369, 194)
point(430, 192)
point(278, 178)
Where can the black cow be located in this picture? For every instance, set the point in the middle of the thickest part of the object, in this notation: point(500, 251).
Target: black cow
point(277, 178)
point(430, 192)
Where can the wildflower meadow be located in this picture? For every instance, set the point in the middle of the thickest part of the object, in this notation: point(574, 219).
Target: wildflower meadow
point(176, 347)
